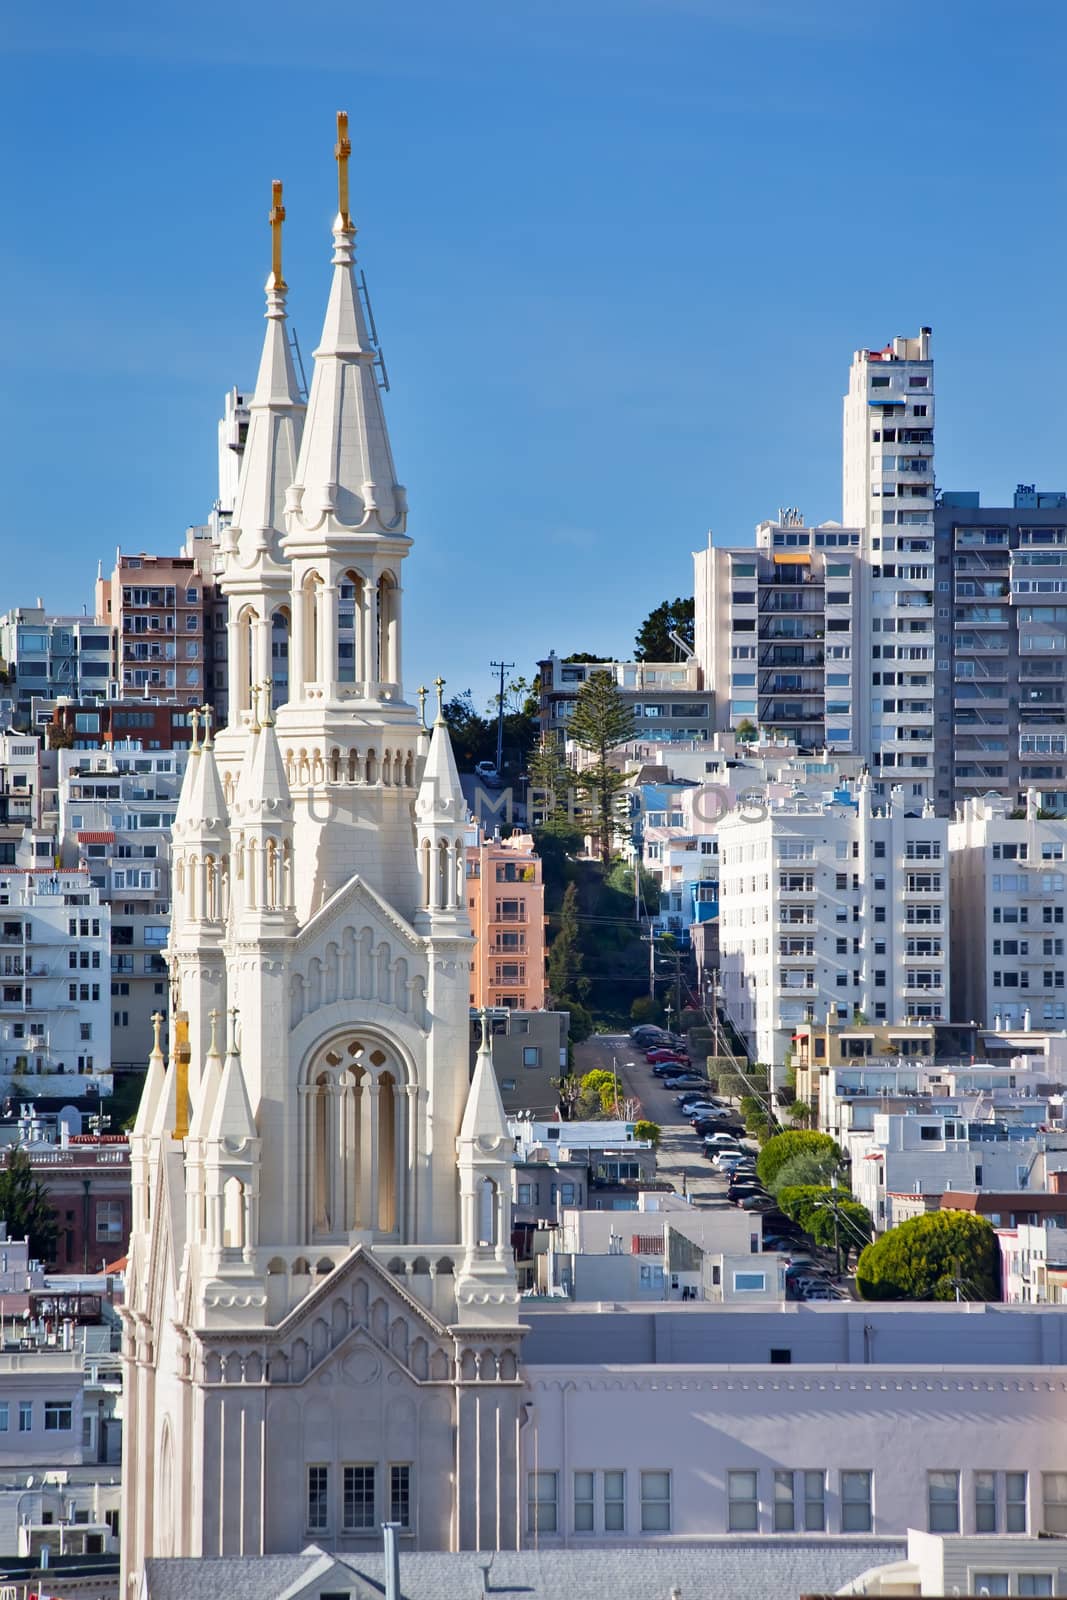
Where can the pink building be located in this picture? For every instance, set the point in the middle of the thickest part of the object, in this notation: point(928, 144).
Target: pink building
point(506, 902)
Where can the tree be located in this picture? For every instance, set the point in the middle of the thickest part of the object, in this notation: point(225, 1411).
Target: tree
point(564, 957)
point(644, 1129)
point(806, 1167)
point(944, 1255)
point(602, 720)
point(26, 1208)
point(813, 1207)
point(550, 793)
point(654, 642)
point(747, 731)
point(784, 1146)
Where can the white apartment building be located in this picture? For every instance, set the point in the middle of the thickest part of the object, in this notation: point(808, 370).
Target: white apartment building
point(909, 1160)
point(115, 812)
point(1009, 938)
point(831, 907)
point(795, 634)
point(54, 947)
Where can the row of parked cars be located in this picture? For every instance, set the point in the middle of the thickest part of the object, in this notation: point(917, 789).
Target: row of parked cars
point(719, 1128)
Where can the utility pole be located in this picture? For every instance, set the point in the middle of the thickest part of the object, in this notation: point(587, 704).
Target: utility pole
point(837, 1236)
point(501, 667)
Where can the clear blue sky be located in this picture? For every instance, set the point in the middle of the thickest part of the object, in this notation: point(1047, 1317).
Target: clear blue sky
point(620, 253)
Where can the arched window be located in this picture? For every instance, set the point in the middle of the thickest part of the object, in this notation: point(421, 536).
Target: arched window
point(487, 1213)
point(310, 600)
point(279, 656)
point(388, 630)
point(350, 593)
point(245, 665)
point(233, 1214)
point(356, 1139)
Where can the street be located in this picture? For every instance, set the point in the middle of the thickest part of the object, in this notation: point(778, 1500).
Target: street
point(680, 1158)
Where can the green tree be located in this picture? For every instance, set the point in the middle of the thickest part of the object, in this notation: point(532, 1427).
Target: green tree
point(643, 1129)
point(747, 731)
point(654, 642)
point(550, 793)
point(812, 1206)
point(943, 1255)
point(784, 1146)
point(807, 1167)
point(564, 964)
point(26, 1208)
point(602, 719)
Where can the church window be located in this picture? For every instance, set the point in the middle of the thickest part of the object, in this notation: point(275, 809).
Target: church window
point(542, 1500)
point(357, 1513)
point(400, 1495)
point(655, 1502)
point(318, 1499)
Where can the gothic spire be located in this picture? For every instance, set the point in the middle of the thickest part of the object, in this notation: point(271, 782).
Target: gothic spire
point(276, 419)
point(345, 480)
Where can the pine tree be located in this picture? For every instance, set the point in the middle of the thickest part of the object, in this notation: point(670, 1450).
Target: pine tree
point(654, 642)
point(602, 720)
point(549, 797)
point(25, 1207)
point(564, 956)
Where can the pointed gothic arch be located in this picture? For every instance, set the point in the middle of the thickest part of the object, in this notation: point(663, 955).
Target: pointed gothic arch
point(244, 666)
point(351, 602)
point(280, 633)
point(311, 618)
point(359, 1137)
point(388, 630)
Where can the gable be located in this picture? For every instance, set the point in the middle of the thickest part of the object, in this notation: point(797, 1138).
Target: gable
point(357, 948)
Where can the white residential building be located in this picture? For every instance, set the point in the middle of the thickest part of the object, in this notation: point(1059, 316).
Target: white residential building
point(917, 1156)
point(54, 1000)
point(115, 814)
point(1008, 878)
point(831, 907)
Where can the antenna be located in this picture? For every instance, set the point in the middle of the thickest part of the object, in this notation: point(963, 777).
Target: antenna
point(379, 358)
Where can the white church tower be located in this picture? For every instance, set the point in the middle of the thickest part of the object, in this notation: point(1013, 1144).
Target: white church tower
point(321, 1328)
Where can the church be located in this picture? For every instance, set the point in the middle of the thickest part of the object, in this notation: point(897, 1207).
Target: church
point(321, 1330)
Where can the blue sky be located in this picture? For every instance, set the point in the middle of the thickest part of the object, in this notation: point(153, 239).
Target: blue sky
point(620, 253)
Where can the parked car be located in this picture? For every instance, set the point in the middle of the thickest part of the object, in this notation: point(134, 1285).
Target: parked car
point(647, 1030)
point(670, 1068)
point(715, 1116)
point(756, 1202)
point(684, 1080)
point(485, 772)
point(723, 1140)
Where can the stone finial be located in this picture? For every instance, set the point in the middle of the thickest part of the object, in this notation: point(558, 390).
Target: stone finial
point(209, 733)
point(439, 685)
point(422, 692)
point(194, 723)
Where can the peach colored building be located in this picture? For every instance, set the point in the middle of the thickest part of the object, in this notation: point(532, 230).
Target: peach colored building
point(161, 607)
point(506, 903)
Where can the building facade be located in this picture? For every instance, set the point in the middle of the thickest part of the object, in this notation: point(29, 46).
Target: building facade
point(54, 950)
point(836, 908)
point(1008, 876)
point(158, 607)
point(321, 1328)
point(51, 656)
point(506, 906)
point(668, 698)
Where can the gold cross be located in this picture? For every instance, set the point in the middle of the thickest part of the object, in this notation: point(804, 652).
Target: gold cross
point(277, 217)
point(439, 685)
point(342, 150)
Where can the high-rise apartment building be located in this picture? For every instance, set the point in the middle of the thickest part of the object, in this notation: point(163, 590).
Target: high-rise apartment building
point(829, 634)
point(1009, 894)
point(832, 908)
point(775, 631)
point(1007, 567)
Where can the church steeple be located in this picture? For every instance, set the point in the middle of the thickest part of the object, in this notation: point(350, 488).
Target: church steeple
point(346, 514)
point(256, 574)
point(485, 1283)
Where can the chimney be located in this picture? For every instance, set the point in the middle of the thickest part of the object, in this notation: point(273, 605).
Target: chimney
point(392, 1560)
